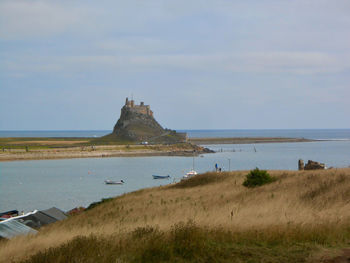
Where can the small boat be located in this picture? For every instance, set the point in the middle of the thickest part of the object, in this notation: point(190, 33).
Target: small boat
point(160, 176)
point(114, 182)
point(190, 174)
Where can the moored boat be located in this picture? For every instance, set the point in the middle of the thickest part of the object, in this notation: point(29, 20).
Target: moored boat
point(114, 182)
point(160, 176)
point(190, 174)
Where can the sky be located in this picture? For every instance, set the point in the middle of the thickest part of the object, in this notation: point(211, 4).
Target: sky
point(200, 64)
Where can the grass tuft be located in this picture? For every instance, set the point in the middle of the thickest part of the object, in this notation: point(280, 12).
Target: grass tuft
point(202, 180)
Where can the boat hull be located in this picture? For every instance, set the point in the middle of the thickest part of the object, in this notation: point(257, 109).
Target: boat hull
point(161, 176)
point(113, 182)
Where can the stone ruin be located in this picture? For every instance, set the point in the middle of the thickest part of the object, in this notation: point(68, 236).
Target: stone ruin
point(142, 108)
point(311, 165)
point(300, 165)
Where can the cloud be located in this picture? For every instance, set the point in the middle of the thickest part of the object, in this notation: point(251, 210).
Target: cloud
point(253, 62)
point(31, 19)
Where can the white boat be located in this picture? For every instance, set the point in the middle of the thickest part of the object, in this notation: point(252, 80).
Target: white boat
point(190, 173)
point(114, 182)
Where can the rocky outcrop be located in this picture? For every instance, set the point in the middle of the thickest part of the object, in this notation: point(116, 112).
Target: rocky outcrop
point(136, 123)
point(311, 165)
point(207, 150)
point(137, 126)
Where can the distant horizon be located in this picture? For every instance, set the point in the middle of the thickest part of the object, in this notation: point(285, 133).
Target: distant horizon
point(316, 134)
point(238, 129)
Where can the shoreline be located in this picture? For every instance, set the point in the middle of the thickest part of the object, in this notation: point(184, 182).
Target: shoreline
point(47, 151)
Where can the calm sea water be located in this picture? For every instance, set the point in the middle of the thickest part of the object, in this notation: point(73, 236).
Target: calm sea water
point(292, 133)
point(28, 185)
point(316, 134)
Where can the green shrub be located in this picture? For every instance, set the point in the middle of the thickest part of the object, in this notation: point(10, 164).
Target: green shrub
point(257, 177)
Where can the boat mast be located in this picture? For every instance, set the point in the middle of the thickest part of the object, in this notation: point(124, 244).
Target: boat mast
point(193, 162)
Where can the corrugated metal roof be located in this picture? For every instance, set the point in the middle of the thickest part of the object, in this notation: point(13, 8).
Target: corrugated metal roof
point(24, 224)
point(11, 228)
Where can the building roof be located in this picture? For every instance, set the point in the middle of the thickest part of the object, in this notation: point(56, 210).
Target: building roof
point(37, 219)
point(55, 213)
point(11, 228)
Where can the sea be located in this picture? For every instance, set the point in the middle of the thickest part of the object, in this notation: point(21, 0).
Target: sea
point(68, 183)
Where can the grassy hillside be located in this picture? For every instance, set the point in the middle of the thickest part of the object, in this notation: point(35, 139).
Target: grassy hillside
point(301, 217)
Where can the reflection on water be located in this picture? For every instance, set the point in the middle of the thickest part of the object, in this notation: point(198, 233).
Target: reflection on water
point(28, 185)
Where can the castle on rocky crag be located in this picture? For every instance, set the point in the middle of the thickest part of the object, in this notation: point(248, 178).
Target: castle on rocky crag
point(137, 123)
point(142, 108)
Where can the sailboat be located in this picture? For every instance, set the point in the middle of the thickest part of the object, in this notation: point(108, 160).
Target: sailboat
point(192, 172)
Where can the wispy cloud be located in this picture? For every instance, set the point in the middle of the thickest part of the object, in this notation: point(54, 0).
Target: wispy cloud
point(28, 19)
point(255, 62)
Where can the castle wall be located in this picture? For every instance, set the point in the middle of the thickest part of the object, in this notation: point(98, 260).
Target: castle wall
point(142, 108)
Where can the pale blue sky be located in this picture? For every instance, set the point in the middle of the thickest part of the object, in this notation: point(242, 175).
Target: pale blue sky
point(199, 64)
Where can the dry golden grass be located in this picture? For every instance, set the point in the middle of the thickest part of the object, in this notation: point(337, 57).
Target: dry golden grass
point(307, 206)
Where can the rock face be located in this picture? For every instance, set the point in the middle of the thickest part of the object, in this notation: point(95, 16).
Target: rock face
point(136, 123)
point(312, 165)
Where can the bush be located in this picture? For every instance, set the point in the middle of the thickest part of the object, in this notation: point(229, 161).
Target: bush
point(257, 177)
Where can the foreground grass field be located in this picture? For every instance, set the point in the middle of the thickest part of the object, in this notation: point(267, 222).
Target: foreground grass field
point(300, 217)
